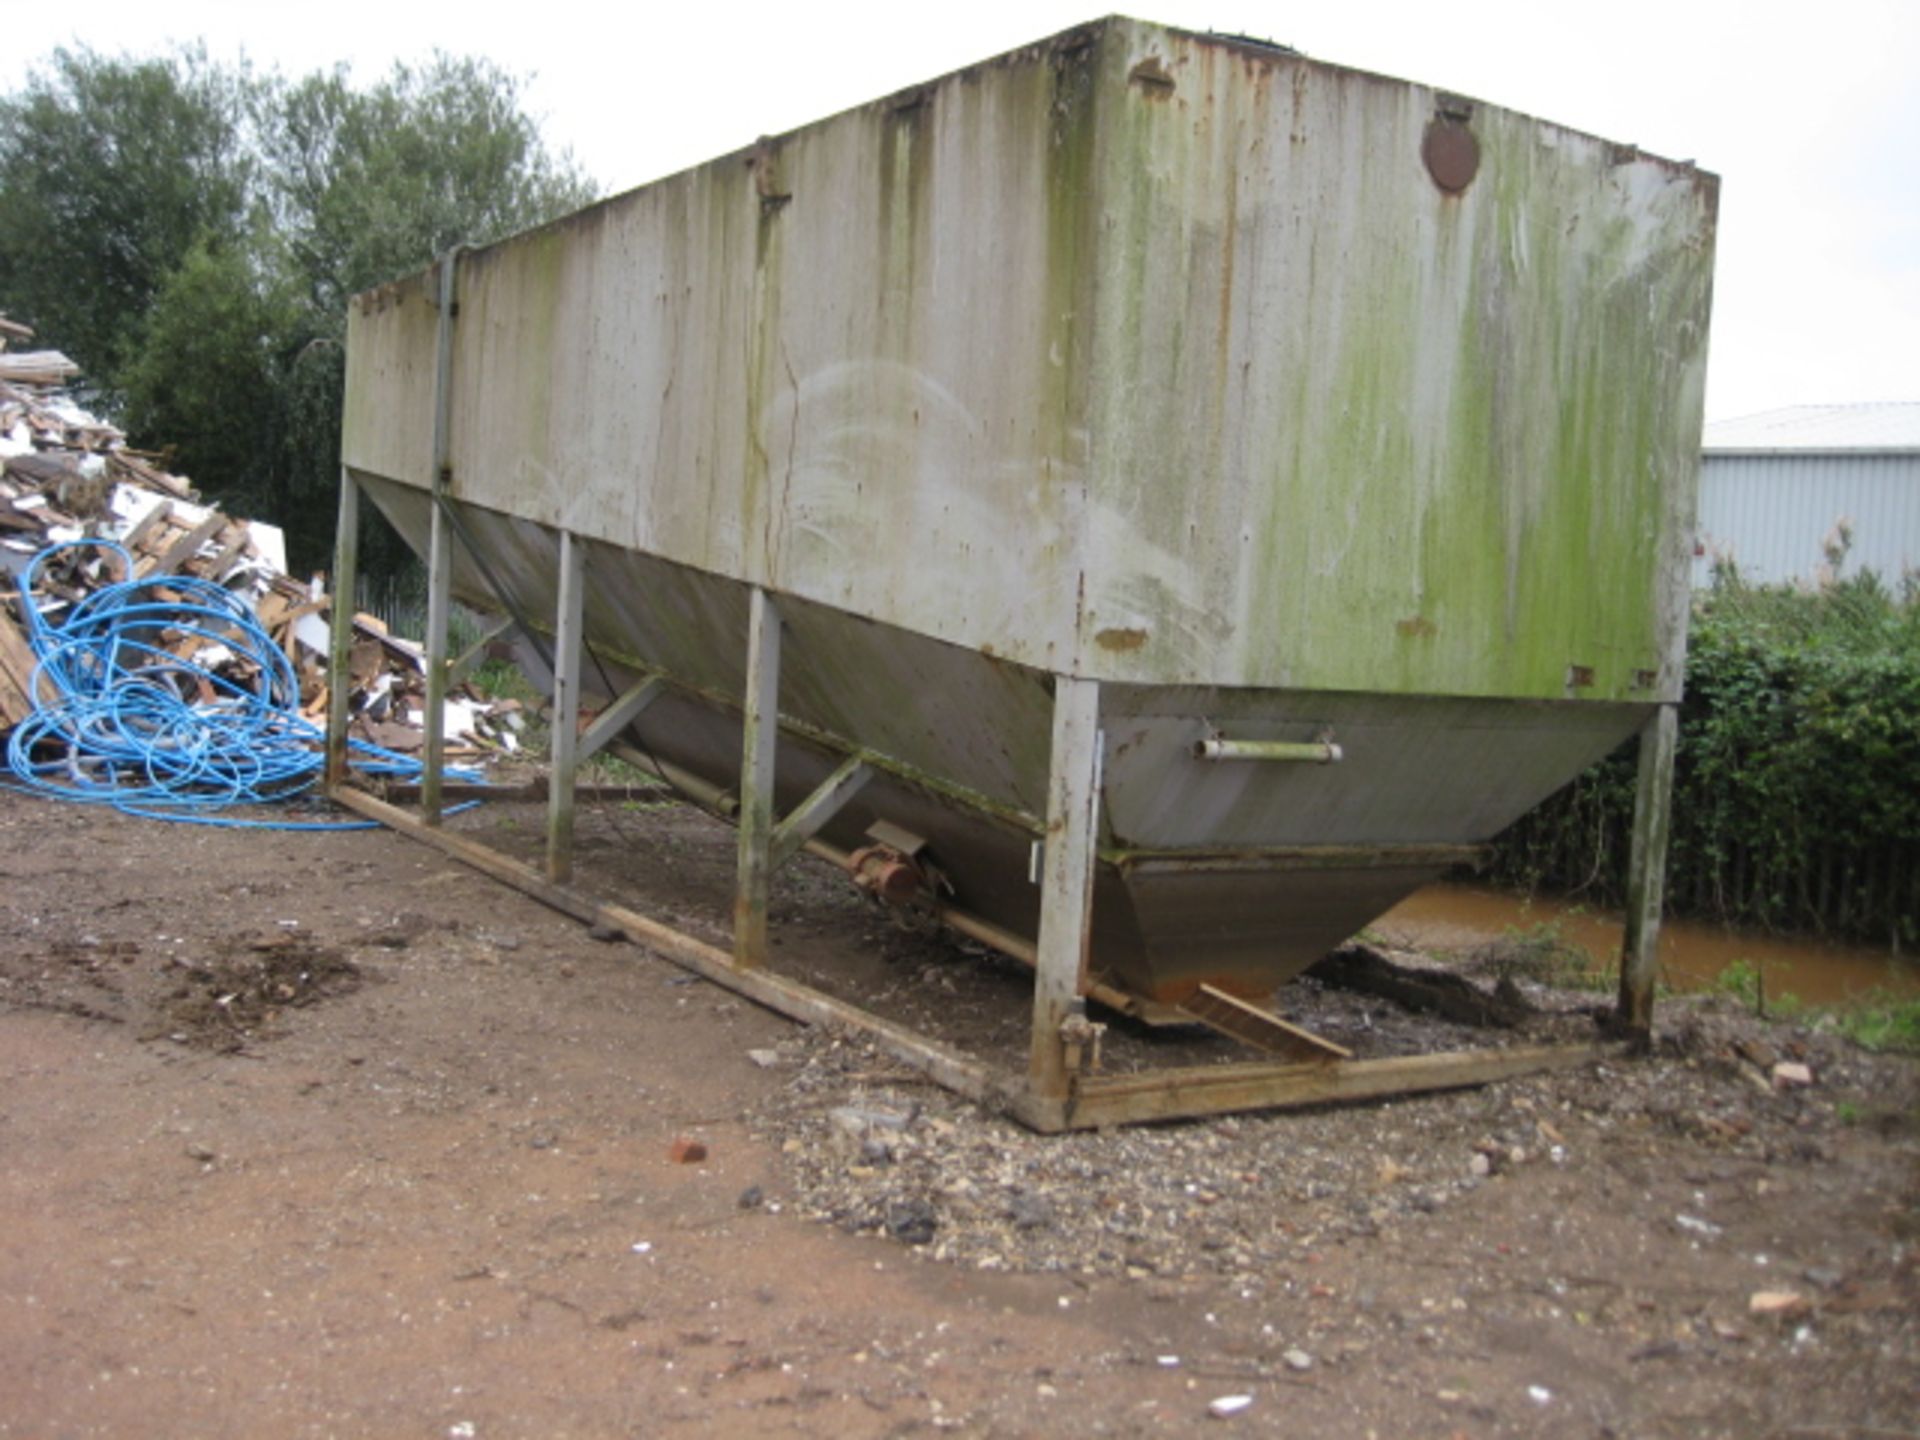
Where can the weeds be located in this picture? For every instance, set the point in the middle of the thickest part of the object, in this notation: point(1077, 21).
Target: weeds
point(1877, 1020)
point(1543, 954)
point(1746, 981)
point(1881, 1022)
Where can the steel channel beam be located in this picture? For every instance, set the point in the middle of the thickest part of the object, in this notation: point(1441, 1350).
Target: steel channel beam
point(564, 730)
point(346, 572)
point(1647, 873)
point(1066, 881)
point(760, 727)
point(439, 553)
point(613, 721)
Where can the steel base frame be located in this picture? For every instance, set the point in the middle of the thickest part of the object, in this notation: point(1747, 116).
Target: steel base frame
point(1091, 1101)
point(1057, 1092)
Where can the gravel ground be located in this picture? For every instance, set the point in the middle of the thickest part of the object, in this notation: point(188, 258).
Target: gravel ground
point(326, 1136)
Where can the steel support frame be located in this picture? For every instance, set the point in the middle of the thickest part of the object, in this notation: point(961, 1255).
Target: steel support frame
point(1066, 882)
point(1052, 1096)
point(569, 648)
point(760, 730)
point(1647, 874)
point(439, 552)
point(346, 573)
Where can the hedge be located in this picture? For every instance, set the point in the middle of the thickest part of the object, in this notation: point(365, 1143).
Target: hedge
point(1797, 780)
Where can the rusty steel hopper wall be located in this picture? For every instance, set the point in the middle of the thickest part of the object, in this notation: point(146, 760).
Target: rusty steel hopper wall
point(1284, 400)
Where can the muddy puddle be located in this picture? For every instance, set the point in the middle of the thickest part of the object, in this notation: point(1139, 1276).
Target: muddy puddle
point(1692, 956)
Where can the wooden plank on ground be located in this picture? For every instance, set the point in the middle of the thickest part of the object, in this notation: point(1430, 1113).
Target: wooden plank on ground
point(1262, 1029)
point(1222, 1089)
point(16, 673)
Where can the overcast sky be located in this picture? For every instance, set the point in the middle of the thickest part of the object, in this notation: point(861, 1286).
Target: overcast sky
point(1810, 114)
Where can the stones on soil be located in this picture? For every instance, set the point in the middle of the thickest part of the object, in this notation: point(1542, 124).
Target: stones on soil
point(911, 1221)
point(873, 1149)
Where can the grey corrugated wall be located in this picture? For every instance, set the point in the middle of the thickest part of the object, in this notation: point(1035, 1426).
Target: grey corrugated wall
point(1771, 512)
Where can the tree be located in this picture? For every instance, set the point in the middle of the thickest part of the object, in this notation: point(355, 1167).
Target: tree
point(208, 377)
point(191, 236)
point(367, 185)
point(111, 171)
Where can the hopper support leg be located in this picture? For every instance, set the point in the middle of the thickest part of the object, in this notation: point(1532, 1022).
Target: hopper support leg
point(1066, 896)
point(439, 552)
point(761, 724)
point(439, 606)
point(346, 571)
point(566, 707)
point(1647, 873)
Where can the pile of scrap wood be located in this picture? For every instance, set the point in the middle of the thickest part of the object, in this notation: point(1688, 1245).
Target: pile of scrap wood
point(66, 476)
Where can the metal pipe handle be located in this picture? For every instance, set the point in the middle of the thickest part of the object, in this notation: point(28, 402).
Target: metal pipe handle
point(1311, 752)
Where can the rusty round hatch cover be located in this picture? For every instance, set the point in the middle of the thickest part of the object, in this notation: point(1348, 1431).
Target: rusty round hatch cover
point(1451, 153)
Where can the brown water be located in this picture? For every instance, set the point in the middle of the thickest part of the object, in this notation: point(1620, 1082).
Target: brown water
point(1692, 955)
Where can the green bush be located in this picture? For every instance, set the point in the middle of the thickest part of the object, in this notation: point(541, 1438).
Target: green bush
point(1882, 1022)
point(1797, 779)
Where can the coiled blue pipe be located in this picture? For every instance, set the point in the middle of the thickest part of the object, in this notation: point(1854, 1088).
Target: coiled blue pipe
point(132, 725)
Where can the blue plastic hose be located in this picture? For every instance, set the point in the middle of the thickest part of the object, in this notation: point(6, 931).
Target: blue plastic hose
point(133, 725)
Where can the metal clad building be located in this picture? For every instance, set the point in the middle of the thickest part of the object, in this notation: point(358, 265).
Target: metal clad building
point(1774, 487)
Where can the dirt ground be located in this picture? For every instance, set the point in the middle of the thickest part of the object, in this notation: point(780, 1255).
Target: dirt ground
point(325, 1135)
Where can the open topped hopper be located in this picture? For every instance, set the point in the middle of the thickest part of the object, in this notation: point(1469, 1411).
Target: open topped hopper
point(1149, 456)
